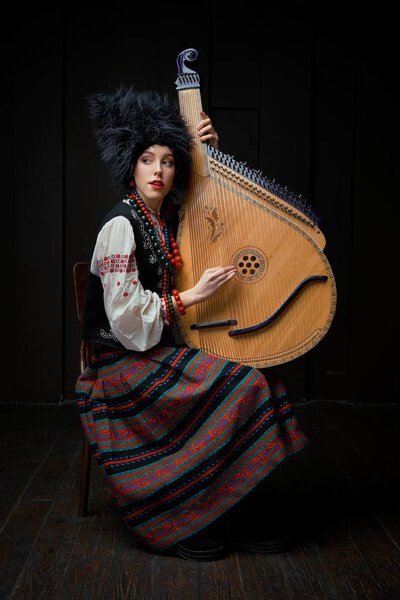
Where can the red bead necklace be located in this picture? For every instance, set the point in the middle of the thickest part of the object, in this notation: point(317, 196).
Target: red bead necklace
point(167, 249)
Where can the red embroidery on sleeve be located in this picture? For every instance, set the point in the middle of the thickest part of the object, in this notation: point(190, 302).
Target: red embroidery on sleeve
point(117, 263)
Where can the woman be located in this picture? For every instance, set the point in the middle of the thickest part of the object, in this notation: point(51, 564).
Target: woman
point(182, 436)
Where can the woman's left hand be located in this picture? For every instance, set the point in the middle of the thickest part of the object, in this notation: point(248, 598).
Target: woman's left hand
point(206, 130)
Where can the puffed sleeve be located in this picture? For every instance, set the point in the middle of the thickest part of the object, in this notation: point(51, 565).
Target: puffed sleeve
point(135, 314)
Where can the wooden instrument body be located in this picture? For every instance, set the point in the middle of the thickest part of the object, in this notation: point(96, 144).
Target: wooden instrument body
point(229, 218)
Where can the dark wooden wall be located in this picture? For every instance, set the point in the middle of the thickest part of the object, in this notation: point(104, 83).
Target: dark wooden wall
point(309, 99)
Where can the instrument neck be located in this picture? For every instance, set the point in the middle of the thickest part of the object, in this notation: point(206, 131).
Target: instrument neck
point(190, 108)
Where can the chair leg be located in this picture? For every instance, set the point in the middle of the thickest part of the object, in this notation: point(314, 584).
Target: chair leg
point(85, 477)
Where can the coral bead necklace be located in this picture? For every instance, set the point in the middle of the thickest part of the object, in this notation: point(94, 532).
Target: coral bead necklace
point(166, 249)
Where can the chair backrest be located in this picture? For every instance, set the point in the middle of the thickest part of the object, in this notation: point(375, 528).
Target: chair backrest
point(80, 274)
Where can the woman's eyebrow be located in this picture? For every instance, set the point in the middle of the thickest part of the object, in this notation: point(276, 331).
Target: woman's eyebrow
point(153, 153)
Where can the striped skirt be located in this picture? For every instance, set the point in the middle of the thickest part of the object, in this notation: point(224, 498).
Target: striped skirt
point(182, 436)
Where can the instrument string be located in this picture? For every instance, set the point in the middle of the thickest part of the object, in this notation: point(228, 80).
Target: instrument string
point(225, 217)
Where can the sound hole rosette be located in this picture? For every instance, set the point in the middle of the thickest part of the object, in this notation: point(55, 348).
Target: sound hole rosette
point(251, 264)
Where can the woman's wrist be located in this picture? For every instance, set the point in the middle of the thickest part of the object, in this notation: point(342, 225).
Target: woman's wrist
point(177, 302)
point(188, 298)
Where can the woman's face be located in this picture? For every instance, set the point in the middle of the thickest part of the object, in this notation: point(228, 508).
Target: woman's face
point(154, 174)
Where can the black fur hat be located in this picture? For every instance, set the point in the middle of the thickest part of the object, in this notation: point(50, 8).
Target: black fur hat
point(128, 121)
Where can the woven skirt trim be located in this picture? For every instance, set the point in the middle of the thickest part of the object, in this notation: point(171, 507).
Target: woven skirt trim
point(189, 518)
point(182, 435)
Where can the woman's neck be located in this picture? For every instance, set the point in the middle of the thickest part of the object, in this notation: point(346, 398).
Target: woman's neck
point(154, 206)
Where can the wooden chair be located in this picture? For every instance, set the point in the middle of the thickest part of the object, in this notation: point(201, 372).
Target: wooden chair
point(80, 272)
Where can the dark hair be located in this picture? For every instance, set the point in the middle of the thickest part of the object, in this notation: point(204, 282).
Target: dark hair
point(128, 121)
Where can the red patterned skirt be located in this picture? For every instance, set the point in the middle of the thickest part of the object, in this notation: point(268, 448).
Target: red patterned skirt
point(182, 435)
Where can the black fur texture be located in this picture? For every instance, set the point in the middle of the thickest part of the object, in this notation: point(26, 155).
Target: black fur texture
point(128, 121)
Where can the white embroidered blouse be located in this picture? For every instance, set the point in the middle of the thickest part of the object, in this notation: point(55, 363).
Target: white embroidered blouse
point(137, 316)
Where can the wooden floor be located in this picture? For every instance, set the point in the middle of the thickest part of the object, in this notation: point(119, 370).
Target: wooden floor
point(342, 490)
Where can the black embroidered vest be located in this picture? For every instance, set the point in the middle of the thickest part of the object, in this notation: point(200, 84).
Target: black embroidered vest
point(96, 327)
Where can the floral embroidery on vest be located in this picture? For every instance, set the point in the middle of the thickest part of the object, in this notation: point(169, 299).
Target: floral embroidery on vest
point(107, 335)
point(147, 245)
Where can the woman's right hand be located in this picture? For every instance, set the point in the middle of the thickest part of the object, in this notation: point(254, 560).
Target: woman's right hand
point(208, 284)
point(206, 131)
